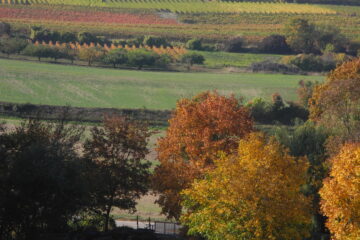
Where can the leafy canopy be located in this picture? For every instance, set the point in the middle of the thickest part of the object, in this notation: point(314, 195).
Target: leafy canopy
point(253, 194)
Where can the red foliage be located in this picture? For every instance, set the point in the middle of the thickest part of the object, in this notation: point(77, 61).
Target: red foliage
point(59, 15)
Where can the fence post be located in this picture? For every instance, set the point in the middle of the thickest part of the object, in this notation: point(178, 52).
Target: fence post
point(137, 222)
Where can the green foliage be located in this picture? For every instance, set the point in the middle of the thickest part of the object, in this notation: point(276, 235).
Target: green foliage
point(119, 174)
point(141, 57)
point(192, 58)
point(86, 37)
point(91, 54)
point(41, 185)
point(41, 51)
point(235, 44)
point(311, 62)
point(115, 57)
point(155, 41)
point(5, 28)
point(309, 140)
point(12, 45)
point(274, 44)
point(194, 44)
point(301, 35)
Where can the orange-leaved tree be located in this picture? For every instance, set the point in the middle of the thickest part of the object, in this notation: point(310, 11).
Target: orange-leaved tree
point(199, 128)
point(336, 103)
point(341, 194)
point(254, 194)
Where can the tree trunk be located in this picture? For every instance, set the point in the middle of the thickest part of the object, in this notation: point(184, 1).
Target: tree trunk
point(107, 218)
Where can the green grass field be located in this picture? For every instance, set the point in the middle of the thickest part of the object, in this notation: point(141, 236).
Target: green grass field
point(226, 59)
point(43, 83)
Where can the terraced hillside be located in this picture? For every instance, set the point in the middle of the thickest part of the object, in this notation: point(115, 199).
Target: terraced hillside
point(180, 20)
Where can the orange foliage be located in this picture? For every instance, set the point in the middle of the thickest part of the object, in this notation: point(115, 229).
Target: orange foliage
point(199, 129)
point(335, 104)
point(341, 194)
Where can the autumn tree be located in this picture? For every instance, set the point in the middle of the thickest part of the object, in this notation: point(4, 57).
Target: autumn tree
point(252, 194)
point(305, 91)
point(90, 54)
point(335, 103)
point(120, 174)
point(341, 194)
point(199, 128)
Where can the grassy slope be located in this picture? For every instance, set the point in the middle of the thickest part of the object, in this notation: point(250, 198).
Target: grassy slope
point(53, 84)
point(221, 59)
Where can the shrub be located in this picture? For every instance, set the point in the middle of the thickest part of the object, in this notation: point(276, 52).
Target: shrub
point(155, 41)
point(192, 58)
point(310, 62)
point(141, 57)
point(86, 37)
point(194, 44)
point(91, 54)
point(12, 45)
point(267, 66)
point(5, 28)
point(115, 57)
point(40, 51)
point(235, 44)
point(274, 44)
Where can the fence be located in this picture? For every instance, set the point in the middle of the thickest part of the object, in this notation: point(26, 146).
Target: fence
point(163, 228)
point(167, 228)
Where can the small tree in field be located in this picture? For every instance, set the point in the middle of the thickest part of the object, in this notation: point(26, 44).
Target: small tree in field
point(192, 58)
point(117, 151)
point(90, 54)
point(115, 57)
point(199, 128)
point(12, 45)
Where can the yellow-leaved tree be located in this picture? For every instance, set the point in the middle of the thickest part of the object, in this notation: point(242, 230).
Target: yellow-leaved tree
point(253, 194)
point(341, 194)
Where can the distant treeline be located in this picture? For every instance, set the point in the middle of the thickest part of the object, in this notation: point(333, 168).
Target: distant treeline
point(47, 112)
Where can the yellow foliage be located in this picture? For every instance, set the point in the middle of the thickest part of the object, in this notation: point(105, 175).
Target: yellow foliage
point(253, 194)
point(341, 194)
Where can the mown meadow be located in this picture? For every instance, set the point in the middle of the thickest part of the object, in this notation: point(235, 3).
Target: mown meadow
point(53, 84)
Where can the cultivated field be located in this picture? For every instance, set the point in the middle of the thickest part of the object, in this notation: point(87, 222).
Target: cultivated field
point(55, 84)
point(180, 20)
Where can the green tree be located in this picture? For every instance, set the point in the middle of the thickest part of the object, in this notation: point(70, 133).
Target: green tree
point(155, 41)
point(310, 140)
point(192, 58)
point(38, 51)
point(41, 180)
point(12, 45)
point(142, 57)
point(115, 57)
point(121, 175)
point(194, 44)
point(301, 35)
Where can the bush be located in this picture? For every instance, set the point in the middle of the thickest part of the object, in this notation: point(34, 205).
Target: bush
point(41, 51)
point(267, 66)
point(276, 111)
point(91, 54)
point(12, 45)
point(141, 57)
point(310, 62)
point(275, 44)
point(235, 44)
point(5, 28)
point(44, 35)
point(115, 57)
point(194, 44)
point(192, 58)
point(155, 41)
point(86, 37)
